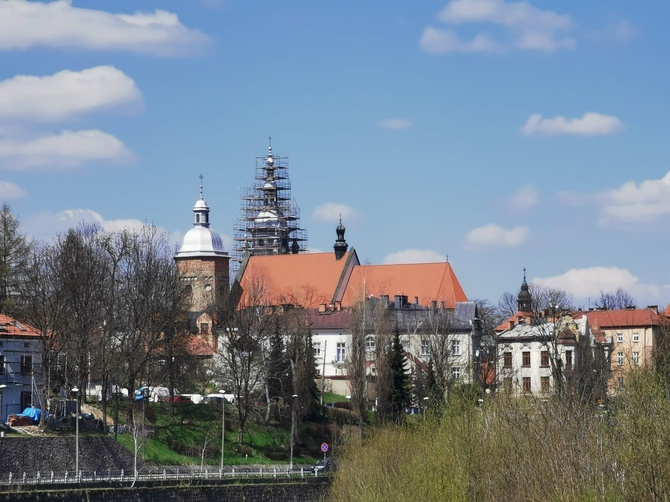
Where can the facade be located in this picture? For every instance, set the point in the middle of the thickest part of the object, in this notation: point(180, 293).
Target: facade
point(20, 367)
point(546, 353)
point(633, 335)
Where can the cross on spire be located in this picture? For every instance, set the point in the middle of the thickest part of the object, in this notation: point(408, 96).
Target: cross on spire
point(201, 177)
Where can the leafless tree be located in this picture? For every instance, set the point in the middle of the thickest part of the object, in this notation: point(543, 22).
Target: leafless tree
point(14, 253)
point(618, 300)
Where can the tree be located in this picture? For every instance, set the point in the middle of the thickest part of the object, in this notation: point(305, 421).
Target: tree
point(14, 254)
point(400, 390)
point(618, 300)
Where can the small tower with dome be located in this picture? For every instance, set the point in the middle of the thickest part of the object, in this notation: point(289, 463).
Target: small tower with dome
point(202, 262)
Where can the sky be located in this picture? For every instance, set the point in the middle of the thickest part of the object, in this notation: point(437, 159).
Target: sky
point(498, 135)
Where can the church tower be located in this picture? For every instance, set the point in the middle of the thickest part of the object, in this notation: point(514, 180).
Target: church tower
point(524, 300)
point(203, 263)
point(340, 245)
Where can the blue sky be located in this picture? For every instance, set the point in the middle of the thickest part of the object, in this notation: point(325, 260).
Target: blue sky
point(501, 134)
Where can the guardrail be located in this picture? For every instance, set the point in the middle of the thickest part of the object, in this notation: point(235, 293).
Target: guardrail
point(168, 474)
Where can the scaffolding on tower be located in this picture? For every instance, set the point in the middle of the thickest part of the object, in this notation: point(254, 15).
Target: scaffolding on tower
point(269, 222)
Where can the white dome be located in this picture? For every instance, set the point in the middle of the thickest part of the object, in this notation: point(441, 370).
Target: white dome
point(201, 241)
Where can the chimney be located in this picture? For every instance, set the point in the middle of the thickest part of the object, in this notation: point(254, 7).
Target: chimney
point(385, 300)
point(416, 300)
point(433, 306)
point(442, 305)
point(511, 324)
point(322, 308)
point(398, 301)
point(654, 308)
point(338, 306)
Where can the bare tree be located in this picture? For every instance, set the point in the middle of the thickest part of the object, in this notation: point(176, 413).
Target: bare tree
point(14, 254)
point(618, 300)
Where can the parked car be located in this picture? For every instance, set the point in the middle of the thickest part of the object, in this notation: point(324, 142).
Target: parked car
point(216, 398)
point(181, 399)
point(325, 465)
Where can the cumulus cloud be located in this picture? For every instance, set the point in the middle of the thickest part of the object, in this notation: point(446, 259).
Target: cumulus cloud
point(632, 203)
point(65, 150)
point(396, 123)
point(10, 190)
point(436, 41)
point(46, 226)
point(590, 282)
point(59, 24)
point(414, 256)
point(331, 212)
point(68, 93)
point(525, 27)
point(492, 235)
point(590, 124)
point(524, 198)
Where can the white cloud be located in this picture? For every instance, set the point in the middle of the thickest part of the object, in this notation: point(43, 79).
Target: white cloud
point(10, 190)
point(590, 124)
point(617, 31)
point(528, 27)
point(492, 235)
point(414, 256)
point(59, 24)
point(67, 149)
point(524, 198)
point(396, 123)
point(331, 212)
point(633, 203)
point(590, 282)
point(68, 93)
point(435, 41)
point(46, 226)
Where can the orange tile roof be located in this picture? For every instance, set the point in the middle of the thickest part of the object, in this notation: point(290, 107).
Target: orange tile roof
point(622, 318)
point(11, 327)
point(301, 279)
point(427, 281)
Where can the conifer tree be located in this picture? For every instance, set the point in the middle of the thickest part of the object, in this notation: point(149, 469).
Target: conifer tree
point(400, 389)
point(14, 252)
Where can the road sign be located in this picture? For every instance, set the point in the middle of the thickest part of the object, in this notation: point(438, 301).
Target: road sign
point(324, 447)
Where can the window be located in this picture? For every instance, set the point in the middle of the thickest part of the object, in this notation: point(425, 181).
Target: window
point(316, 349)
point(525, 358)
point(425, 347)
point(2, 365)
point(456, 348)
point(636, 337)
point(26, 365)
point(526, 385)
point(507, 360)
point(26, 399)
point(636, 358)
point(568, 360)
point(544, 358)
point(619, 337)
point(619, 358)
point(456, 372)
point(544, 384)
point(507, 385)
point(370, 344)
point(204, 328)
point(341, 352)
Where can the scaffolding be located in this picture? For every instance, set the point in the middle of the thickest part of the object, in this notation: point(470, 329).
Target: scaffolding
point(269, 222)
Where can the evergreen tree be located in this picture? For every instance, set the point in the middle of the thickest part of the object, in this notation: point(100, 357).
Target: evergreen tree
point(400, 390)
point(14, 252)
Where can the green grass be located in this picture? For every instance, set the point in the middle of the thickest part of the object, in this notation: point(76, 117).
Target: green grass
point(329, 397)
point(180, 437)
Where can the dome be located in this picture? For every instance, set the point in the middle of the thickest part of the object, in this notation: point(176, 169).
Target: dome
point(201, 241)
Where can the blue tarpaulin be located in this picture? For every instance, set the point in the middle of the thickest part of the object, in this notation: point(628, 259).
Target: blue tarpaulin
point(33, 413)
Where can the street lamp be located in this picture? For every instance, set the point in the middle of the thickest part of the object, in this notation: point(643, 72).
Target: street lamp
point(293, 398)
point(75, 391)
point(223, 424)
point(425, 405)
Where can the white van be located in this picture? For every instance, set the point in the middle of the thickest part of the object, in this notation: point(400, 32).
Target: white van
point(230, 398)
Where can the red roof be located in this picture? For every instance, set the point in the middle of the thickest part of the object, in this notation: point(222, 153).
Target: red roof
point(622, 318)
point(11, 327)
point(299, 279)
point(427, 281)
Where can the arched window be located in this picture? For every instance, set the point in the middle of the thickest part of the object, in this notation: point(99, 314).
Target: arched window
point(370, 344)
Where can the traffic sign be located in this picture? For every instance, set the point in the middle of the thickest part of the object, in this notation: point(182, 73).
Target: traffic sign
point(324, 447)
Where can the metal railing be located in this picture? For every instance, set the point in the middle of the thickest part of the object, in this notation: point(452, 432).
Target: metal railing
point(172, 474)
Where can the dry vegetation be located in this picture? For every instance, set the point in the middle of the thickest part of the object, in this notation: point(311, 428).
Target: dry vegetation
point(520, 450)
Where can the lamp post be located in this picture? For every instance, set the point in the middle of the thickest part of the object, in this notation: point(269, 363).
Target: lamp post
point(223, 424)
point(75, 391)
point(425, 405)
point(293, 398)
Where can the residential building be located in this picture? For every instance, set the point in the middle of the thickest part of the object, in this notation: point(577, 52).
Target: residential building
point(634, 335)
point(20, 366)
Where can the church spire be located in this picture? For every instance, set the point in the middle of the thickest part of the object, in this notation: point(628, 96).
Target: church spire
point(524, 300)
point(201, 209)
point(341, 245)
